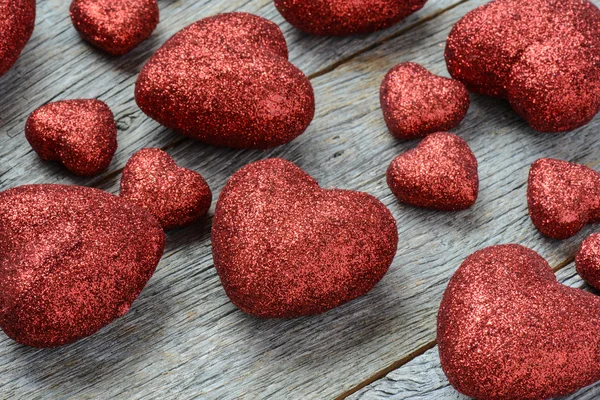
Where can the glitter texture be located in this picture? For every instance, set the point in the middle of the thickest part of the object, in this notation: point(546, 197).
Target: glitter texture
point(81, 134)
point(176, 196)
point(17, 19)
point(563, 197)
point(72, 259)
point(541, 55)
point(226, 80)
point(416, 103)
point(116, 27)
point(440, 173)
point(588, 260)
point(346, 17)
point(285, 248)
point(508, 330)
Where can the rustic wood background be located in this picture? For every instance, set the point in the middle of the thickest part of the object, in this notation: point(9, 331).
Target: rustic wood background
point(182, 337)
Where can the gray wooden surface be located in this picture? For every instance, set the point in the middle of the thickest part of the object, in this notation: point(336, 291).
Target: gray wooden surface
point(183, 337)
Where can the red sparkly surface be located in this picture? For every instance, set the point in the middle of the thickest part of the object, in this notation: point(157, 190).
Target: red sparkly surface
point(563, 197)
point(346, 17)
point(72, 259)
point(587, 260)
point(17, 19)
point(416, 103)
point(175, 196)
point(440, 173)
point(285, 248)
point(508, 330)
point(117, 27)
point(81, 134)
point(226, 80)
point(541, 55)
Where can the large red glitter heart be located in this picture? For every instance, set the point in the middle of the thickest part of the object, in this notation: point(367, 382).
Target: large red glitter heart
point(588, 260)
point(346, 17)
point(508, 330)
point(541, 55)
point(115, 26)
point(416, 103)
point(440, 173)
point(562, 197)
point(285, 248)
point(176, 196)
point(226, 80)
point(81, 134)
point(72, 259)
point(17, 19)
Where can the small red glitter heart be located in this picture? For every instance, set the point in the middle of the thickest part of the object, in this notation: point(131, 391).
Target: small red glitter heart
point(285, 248)
point(440, 173)
point(563, 197)
point(81, 134)
point(17, 19)
point(346, 17)
point(176, 196)
point(72, 259)
point(226, 80)
point(508, 330)
point(116, 27)
point(416, 103)
point(541, 55)
point(588, 260)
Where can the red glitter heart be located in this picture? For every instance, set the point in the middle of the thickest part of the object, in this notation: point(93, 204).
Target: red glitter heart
point(416, 103)
point(563, 197)
point(541, 55)
point(81, 134)
point(17, 19)
point(508, 330)
point(588, 260)
point(176, 196)
point(116, 27)
point(72, 259)
point(440, 173)
point(226, 80)
point(285, 248)
point(346, 17)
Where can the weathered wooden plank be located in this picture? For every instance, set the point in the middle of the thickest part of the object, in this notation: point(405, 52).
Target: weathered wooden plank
point(423, 378)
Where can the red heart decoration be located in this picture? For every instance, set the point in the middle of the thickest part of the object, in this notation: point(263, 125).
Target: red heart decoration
point(508, 330)
point(346, 17)
point(81, 134)
point(175, 196)
point(285, 248)
point(440, 173)
point(17, 19)
point(226, 80)
point(116, 27)
point(563, 197)
point(541, 55)
point(416, 103)
point(588, 260)
point(72, 259)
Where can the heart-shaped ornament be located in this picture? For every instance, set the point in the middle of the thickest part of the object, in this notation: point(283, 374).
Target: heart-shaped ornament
point(563, 197)
point(416, 102)
point(346, 17)
point(285, 248)
point(440, 174)
point(176, 196)
point(81, 134)
point(72, 259)
point(508, 330)
point(226, 80)
point(588, 260)
point(116, 27)
point(17, 20)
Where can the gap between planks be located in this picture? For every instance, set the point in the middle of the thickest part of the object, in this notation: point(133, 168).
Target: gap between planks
point(321, 72)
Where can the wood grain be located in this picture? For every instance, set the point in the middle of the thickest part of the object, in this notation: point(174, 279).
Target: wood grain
point(183, 337)
point(423, 378)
